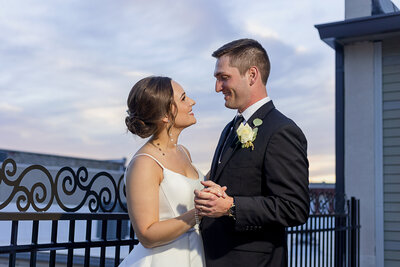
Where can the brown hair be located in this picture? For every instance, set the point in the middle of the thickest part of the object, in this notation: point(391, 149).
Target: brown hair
point(245, 53)
point(149, 101)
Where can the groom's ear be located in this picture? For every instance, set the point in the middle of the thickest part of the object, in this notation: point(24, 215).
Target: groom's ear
point(253, 75)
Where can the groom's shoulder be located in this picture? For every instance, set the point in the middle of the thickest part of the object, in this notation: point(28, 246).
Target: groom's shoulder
point(276, 119)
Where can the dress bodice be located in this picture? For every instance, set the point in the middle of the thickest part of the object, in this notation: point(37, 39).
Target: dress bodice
point(176, 194)
point(175, 198)
point(176, 191)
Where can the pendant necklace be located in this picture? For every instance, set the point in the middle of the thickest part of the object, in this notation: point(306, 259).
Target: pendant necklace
point(158, 145)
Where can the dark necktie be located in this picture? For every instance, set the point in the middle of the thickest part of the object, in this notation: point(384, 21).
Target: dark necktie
point(231, 136)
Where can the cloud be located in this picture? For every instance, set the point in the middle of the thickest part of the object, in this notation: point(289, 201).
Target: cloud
point(321, 169)
point(8, 108)
point(264, 32)
point(67, 68)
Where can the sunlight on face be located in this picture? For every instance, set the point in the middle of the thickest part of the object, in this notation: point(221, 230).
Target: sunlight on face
point(184, 116)
point(233, 85)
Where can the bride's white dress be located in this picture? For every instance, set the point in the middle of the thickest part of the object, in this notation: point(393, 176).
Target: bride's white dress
point(175, 198)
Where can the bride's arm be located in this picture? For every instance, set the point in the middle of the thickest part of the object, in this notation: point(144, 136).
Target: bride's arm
point(142, 190)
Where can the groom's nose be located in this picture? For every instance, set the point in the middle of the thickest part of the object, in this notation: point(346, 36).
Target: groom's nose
point(218, 86)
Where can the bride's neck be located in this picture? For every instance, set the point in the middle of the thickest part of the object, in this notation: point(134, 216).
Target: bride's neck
point(167, 139)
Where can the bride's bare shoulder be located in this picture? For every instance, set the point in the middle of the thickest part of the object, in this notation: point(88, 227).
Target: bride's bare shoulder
point(144, 164)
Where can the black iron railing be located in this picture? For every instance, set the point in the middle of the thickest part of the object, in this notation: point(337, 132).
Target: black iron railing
point(52, 220)
point(89, 227)
point(35, 187)
point(328, 238)
point(84, 221)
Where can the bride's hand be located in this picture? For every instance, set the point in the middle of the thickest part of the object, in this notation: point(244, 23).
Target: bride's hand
point(214, 188)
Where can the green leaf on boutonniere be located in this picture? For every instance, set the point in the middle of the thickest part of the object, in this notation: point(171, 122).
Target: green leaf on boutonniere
point(255, 131)
point(257, 122)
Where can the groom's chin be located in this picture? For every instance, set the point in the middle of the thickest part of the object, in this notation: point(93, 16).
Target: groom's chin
point(228, 105)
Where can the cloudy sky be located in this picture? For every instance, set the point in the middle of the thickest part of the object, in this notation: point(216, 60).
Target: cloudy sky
point(66, 68)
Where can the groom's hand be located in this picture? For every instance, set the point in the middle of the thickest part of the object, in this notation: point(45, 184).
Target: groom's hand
point(216, 189)
point(208, 204)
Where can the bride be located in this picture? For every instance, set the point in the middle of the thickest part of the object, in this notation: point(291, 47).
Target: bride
point(160, 179)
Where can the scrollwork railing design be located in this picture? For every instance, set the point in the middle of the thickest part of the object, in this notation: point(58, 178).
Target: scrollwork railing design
point(71, 190)
point(68, 189)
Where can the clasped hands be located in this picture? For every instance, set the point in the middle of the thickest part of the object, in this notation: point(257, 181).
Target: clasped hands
point(212, 201)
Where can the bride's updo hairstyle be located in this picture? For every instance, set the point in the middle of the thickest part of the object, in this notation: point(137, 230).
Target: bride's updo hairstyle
point(149, 101)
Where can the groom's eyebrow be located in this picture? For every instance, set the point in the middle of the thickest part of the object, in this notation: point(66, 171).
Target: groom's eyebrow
point(219, 74)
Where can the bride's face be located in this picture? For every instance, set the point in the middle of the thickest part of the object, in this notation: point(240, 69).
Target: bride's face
point(184, 116)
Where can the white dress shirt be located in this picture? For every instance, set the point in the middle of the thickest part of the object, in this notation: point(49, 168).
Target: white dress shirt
point(248, 112)
point(246, 115)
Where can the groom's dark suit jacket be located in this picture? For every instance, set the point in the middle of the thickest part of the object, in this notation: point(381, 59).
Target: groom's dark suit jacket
point(270, 189)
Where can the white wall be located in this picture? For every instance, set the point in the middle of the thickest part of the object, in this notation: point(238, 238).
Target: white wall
point(360, 164)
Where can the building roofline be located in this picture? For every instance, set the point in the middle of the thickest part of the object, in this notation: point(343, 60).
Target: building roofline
point(359, 29)
point(119, 161)
point(322, 185)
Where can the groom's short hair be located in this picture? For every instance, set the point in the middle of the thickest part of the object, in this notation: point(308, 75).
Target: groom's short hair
point(244, 54)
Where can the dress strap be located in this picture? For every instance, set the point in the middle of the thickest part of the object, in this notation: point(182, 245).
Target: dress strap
point(150, 156)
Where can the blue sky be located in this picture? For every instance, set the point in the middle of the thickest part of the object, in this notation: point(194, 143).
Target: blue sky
point(66, 68)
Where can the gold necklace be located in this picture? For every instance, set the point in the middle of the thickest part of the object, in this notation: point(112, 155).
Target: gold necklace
point(158, 147)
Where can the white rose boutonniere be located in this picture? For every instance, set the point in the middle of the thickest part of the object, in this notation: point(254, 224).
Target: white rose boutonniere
point(247, 134)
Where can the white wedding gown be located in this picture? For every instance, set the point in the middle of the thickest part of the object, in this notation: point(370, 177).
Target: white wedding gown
point(175, 198)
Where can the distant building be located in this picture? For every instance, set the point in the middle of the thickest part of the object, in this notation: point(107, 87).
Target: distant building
point(322, 188)
point(367, 46)
point(30, 158)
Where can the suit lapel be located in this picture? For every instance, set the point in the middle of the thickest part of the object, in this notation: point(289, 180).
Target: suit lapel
point(261, 113)
point(216, 168)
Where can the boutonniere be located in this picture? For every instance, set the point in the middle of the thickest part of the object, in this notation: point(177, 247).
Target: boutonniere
point(247, 134)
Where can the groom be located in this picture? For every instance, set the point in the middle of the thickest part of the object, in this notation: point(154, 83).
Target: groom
point(265, 168)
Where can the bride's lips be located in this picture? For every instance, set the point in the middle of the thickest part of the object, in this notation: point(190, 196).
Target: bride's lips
point(191, 113)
